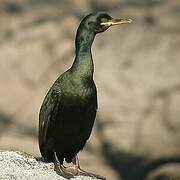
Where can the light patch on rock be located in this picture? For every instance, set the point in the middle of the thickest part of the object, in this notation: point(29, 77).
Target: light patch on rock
point(15, 165)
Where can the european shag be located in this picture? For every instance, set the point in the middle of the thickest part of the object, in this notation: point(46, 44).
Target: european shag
point(69, 109)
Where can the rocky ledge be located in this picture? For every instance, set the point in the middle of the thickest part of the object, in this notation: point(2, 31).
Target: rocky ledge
point(15, 165)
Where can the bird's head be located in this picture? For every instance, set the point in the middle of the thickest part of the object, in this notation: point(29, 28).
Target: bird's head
point(100, 22)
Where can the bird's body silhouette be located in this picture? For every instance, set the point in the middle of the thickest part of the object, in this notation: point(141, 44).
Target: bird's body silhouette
point(69, 109)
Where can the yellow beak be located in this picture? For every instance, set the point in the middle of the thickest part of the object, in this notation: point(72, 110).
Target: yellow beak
point(114, 22)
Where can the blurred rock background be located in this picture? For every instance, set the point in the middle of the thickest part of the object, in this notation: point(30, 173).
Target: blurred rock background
point(137, 70)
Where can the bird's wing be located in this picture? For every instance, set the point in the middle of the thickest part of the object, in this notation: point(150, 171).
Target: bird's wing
point(91, 114)
point(47, 116)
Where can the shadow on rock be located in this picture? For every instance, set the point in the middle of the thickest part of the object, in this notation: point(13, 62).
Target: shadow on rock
point(5, 122)
point(129, 166)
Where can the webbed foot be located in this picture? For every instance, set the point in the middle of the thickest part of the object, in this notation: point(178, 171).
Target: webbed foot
point(86, 173)
point(63, 171)
point(77, 171)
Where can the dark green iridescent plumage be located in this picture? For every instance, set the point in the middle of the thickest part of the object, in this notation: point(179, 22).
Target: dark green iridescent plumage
point(68, 111)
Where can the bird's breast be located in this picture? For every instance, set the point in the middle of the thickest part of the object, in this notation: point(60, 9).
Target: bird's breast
point(78, 97)
point(78, 91)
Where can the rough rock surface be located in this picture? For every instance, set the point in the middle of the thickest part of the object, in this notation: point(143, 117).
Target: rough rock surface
point(16, 165)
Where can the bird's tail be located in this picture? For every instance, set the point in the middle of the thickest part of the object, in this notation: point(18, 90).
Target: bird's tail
point(46, 151)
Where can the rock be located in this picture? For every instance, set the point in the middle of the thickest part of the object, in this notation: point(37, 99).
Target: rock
point(105, 4)
point(16, 141)
point(20, 165)
point(79, 7)
point(166, 172)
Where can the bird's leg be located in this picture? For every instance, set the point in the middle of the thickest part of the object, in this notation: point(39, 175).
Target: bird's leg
point(60, 169)
point(80, 172)
point(73, 169)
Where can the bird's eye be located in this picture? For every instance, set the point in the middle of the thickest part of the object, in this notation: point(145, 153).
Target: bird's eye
point(104, 19)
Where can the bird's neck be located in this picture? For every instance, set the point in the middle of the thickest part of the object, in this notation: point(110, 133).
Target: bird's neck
point(83, 63)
